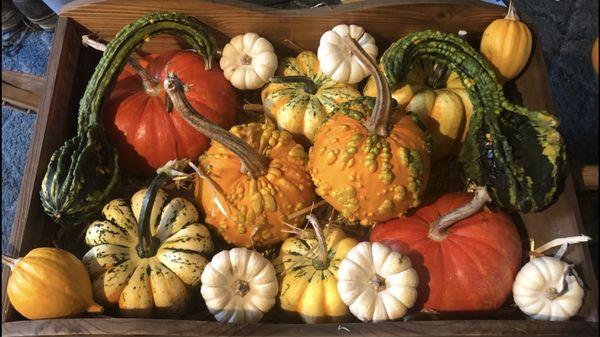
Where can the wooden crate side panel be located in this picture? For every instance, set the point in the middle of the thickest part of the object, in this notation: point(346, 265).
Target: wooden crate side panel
point(68, 71)
point(150, 327)
point(386, 20)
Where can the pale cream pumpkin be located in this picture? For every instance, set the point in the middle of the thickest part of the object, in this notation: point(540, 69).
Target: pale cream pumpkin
point(337, 60)
point(377, 283)
point(239, 286)
point(248, 61)
point(307, 267)
point(147, 270)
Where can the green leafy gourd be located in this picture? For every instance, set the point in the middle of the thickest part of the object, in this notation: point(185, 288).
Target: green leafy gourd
point(516, 154)
point(84, 171)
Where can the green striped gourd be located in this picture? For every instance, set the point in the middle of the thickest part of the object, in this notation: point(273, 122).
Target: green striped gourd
point(84, 171)
point(146, 257)
point(516, 154)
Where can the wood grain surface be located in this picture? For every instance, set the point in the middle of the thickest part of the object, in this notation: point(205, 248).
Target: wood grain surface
point(71, 65)
point(160, 327)
point(22, 90)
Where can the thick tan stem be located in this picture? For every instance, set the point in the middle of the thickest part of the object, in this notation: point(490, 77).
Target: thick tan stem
point(512, 12)
point(253, 164)
point(242, 287)
point(252, 107)
point(151, 86)
point(322, 243)
point(379, 122)
point(9, 261)
point(437, 231)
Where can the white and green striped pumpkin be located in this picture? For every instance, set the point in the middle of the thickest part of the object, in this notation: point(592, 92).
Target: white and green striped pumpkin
point(146, 257)
point(301, 96)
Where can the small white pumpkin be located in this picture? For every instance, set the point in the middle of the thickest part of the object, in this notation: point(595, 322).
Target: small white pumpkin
point(547, 288)
point(239, 286)
point(377, 283)
point(248, 61)
point(336, 59)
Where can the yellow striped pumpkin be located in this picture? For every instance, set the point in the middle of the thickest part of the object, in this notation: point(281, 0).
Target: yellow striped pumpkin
point(300, 97)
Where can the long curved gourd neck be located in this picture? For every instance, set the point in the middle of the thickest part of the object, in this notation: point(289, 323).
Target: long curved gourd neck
point(127, 40)
point(253, 163)
point(379, 121)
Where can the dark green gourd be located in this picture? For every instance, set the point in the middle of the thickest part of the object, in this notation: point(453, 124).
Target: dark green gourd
point(516, 154)
point(84, 171)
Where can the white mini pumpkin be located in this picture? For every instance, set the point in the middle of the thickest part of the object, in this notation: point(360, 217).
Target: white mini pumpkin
point(248, 61)
point(547, 288)
point(336, 59)
point(239, 286)
point(377, 283)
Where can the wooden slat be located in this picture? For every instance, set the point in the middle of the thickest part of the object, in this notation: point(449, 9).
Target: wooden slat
point(22, 90)
point(386, 20)
point(159, 327)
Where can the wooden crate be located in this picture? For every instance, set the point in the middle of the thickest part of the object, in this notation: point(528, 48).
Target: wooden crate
point(71, 65)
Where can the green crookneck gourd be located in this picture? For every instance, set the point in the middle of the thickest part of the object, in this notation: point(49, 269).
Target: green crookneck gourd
point(516, 156)
point(84, 171)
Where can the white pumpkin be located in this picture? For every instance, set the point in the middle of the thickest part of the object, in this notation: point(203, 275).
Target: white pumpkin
point(336, 59)
point(239, 286)
point(547, 288)
point(377, 283)
point(248, 61)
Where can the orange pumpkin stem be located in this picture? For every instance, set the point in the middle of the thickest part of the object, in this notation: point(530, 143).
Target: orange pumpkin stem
point(253, 163)
point(512, 12)
point(379, 122)
point(438, 229)
point(9, 261)
point(322, 260)
point(151, 86)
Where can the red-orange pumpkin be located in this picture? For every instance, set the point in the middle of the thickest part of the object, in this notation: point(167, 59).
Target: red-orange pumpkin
point(139, 125)
point(469, 267)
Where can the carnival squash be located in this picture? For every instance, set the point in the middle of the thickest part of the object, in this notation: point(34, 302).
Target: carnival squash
point(516, 154)
point(49, 283)
point(138, 120)
point(301, 96)
point(85, 170)
point(146, 257)
point(367, 165)
point(441, 102)
point(506, 43)
point(464, 265)
point(307, 266)
point(251, 180)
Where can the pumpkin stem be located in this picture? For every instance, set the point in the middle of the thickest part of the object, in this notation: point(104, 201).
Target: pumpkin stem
point(512, 12)
point(377, 282)
point(151, 86)
point(437, 231)
point(242, 287)
point(146, 243)
point(552, 293)
point(322, 259)
point(379, 122)
point(253, 163)
point(11, 262)
point(309, 85)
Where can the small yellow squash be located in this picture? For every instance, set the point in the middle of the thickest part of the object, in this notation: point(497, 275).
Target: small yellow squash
point(49, 283)
point(506, 43)
point(308, 267)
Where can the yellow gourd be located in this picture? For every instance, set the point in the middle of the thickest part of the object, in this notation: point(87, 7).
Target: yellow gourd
point(49, 283)
point(506, 43)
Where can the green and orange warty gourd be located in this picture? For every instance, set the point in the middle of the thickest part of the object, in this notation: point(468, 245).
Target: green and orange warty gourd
point(367, 165)
point(253, 178)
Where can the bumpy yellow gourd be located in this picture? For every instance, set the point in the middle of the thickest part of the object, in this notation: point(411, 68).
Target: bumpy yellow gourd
point(506, 43)
point(50, 283)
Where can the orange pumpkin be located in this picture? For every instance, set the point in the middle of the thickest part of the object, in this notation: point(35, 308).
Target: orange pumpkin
point(370, 168)
point(253, 178)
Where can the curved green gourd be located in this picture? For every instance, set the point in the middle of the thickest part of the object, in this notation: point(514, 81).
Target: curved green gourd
point(84, 171)
point(517, 154)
